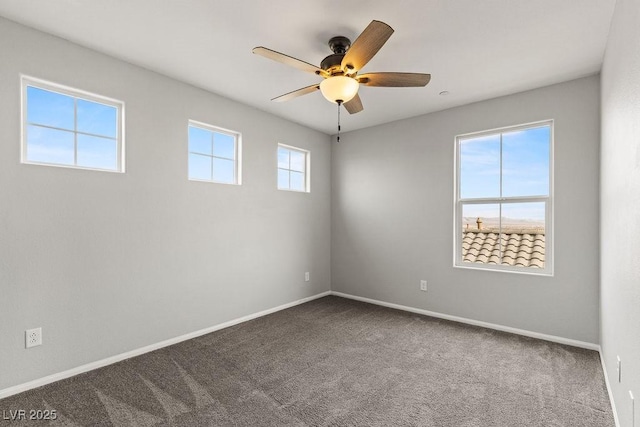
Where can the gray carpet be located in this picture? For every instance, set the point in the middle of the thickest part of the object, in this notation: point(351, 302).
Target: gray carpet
point(337, 362)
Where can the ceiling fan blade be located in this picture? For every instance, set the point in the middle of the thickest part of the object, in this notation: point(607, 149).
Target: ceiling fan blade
point(394, 79)
point(366, 46)
point(297, 93)
point(288, 60)
point(354, 105)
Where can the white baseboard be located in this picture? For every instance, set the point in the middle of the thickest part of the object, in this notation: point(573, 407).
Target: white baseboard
point(552, 338)
point(129, 354)
point(117, 358)
point(609, 391)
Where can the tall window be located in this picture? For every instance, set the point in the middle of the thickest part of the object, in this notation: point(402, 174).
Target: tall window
point(213, 154)
point(293, 168)
point(62, 126)
point(504, 199)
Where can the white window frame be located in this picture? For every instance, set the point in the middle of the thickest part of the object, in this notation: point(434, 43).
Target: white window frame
point(237, 136)
point(27, 81)
point(458, 204)
point(307, 168)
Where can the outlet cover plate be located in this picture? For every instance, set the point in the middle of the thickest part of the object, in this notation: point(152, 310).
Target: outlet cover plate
point(33, 337)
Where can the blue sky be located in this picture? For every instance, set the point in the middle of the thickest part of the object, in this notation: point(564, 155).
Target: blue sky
point(525, 172)
point(53, 119)
point(291, 169)
point(65, 130)
point(211, 155)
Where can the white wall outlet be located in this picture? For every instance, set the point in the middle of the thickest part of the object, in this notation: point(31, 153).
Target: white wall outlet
point(423, 285)
point(306, 276)
point(619, 369)
point(33, 337)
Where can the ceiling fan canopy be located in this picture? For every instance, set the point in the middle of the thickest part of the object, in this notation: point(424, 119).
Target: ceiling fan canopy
point(340, 70)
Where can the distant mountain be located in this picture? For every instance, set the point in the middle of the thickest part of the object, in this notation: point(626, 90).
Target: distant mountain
point(507, 223)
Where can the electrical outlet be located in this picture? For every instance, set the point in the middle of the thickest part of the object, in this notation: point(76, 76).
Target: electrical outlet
point(33, 337)
point(619, 368)
point(306, 276)
point(423, 285)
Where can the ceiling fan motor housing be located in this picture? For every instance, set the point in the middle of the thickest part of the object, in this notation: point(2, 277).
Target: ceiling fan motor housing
point(332, 62)
point(339, 45)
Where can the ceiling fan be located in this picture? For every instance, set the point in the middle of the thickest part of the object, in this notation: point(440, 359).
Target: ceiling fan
point(340, 70)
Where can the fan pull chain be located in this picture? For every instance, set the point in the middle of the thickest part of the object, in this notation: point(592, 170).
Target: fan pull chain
point(339, 104)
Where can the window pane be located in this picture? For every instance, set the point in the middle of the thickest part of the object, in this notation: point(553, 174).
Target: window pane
point(523, 228)
point(49, 108)
point(480, 167)
point(94, 152)
point(519, 216)
point(199, 167)
point(489, 215)
point(49, 145)
point(224, 145)
point(283, 158)
point(223, 171)
point(298, 161)
point(525, 162)
point(283, 179)
point(200, 141)
point(480, 241)
point(297, 181)
point(98, 119)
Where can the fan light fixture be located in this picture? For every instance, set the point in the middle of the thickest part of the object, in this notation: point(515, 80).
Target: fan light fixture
point(339, 88)
point(340, 84)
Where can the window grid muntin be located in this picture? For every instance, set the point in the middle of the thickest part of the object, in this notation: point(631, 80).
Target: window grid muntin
point(548, 200)
point(211, 131)
point(289, 170)
point(75, 95)
point(75, 134)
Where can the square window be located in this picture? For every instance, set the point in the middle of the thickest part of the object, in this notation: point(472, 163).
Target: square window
point(503, 202)
point(62, 126)
point(213, 154)
point(293, 168)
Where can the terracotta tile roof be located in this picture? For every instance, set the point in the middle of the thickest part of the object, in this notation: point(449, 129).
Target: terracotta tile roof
point(523, 248)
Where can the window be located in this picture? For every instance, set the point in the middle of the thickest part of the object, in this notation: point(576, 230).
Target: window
point(62, 126)
point(293, 168)
point(213, 154)
point(504, 199)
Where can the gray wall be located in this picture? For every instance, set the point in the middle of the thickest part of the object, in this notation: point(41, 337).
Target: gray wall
point(392, 215)
point(620, 208)
point(108, 263)
point(105, 262)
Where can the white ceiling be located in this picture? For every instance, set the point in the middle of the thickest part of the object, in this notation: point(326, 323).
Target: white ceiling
point(474, 49)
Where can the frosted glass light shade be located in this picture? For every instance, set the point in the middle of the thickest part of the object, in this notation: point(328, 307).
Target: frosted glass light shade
point(339, 88)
